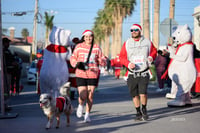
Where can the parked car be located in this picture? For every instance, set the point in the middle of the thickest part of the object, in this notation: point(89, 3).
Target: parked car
point(32, 72)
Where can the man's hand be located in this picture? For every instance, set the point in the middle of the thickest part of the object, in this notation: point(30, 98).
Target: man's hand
point(150, 59)
point(131, 66)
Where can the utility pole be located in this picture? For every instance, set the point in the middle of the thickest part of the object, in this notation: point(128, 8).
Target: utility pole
point(151, 20)
point(156, 30)
point(171, 9)
point(34, 46)
point(146, 19)
point(142, 14)
point(171, 14)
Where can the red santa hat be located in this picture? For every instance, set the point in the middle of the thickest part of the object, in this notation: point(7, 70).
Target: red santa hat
point(136, 26)
point(87, 32)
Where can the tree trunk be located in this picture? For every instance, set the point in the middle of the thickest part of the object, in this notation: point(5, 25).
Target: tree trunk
point(156, 23)
point(118, 32)
point(107, 45)
point(102, 45)
point(113, 43)
point(146, 19)
point(171, 16)
point(46, 38)
point(115, 38)
point(171, 9)
point(119, 36)
point(142, 14)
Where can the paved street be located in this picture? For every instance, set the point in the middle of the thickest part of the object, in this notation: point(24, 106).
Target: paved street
point(113, 112)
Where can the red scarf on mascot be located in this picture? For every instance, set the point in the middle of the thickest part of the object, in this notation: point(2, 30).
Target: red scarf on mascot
point(165, 75)
point(56, 48)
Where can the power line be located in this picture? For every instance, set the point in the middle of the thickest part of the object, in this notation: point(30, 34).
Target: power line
point(73, 22)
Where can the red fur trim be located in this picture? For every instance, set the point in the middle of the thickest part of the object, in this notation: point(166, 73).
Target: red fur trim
point(56, 48)
point(165, 75)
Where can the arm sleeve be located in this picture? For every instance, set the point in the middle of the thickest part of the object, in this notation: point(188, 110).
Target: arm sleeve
point(102, 59)
point(123, 56)
point(153, 51)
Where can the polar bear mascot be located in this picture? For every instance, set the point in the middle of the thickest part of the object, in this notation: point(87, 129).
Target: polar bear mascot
point(54, 71)
point(181, 69)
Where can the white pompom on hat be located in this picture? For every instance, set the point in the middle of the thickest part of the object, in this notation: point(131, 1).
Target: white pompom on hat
point(136, 26)
point(87, 32)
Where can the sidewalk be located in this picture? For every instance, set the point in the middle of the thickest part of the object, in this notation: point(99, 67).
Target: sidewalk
point(112, 112)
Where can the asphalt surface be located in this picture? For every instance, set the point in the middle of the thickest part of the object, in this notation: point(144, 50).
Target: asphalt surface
point(112, 112)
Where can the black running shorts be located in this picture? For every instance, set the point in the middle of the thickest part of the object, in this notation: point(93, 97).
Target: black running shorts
point(137, 85)
point(86, 82)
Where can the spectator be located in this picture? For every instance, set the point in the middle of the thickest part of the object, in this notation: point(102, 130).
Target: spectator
point(107, 68)
point(160, 64)
point(16, 76)
point(168, 80)
point(9, 64)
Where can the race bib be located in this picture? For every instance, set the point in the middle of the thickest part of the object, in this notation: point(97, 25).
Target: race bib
point(139, 60)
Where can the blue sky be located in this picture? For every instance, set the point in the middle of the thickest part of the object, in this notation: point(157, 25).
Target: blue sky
point(78, 15)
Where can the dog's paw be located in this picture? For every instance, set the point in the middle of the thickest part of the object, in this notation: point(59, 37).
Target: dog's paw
point(48, 125)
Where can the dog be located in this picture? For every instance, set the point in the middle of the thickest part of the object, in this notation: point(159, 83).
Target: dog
point(54, 107)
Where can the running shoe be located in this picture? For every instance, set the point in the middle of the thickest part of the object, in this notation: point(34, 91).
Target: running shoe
point(79, 111)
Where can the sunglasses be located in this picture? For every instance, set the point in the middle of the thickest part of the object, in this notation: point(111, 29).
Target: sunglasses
point(134, 30)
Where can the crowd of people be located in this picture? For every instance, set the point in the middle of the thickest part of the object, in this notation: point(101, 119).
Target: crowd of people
point(137, 55)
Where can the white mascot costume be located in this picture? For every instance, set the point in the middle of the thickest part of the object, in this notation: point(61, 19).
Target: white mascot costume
point(181, 69)
point(54, 71)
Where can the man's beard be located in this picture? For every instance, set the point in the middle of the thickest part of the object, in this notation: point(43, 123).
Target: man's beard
point(136, 36)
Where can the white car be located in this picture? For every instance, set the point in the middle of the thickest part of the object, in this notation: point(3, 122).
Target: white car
point(32, 72)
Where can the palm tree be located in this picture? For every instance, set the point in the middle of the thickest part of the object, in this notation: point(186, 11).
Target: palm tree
point(171, 14)
point(25, 33)
point(99, 35)
point(49, 25)
point(120, 9)
point(98, 32)
point(171, 9)
point(156, 23)
point(109, 24)
point(102, 29)
point(142, 14)
point(146, 19)
point(105, 24)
